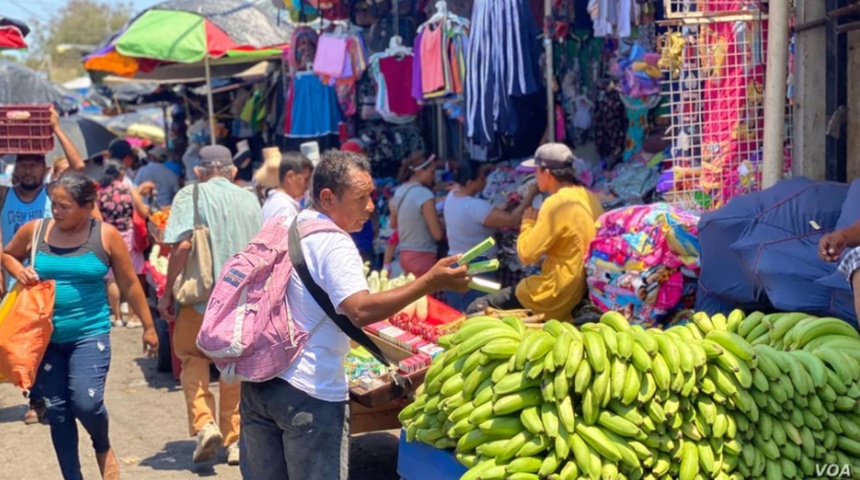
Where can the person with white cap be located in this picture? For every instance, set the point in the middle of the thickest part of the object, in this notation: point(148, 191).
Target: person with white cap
point(288, 175)
point(559, 233)
point(232, 215)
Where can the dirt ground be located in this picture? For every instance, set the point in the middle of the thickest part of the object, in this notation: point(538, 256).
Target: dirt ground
point(148, 430)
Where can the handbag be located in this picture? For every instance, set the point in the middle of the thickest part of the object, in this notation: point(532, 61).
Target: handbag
point(26, 326)
point(194, 283)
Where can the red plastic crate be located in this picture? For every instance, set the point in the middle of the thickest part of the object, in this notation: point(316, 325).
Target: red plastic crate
point(25, 129)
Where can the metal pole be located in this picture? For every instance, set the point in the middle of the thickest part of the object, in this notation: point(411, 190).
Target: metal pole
point(836, 96)
point(209, 102)
point(774, 99)
point(550, 74)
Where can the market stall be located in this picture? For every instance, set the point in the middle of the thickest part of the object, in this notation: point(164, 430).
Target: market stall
point(408, 340)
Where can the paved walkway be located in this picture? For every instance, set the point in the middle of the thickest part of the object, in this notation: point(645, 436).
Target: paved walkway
point(148, 430)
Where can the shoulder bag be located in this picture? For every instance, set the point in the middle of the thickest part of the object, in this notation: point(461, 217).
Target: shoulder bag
point(194, 283)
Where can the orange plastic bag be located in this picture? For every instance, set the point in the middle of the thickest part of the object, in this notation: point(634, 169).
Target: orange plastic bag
point(5, 306)
point(25, 332)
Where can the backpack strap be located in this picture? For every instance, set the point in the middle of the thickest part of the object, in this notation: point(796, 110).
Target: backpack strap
point(321, 297)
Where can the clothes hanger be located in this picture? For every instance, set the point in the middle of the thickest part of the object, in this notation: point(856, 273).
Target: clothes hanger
point(440, 15)
point(396, 48)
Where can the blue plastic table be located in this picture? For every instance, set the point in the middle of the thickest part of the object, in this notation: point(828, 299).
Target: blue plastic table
point(419, 461)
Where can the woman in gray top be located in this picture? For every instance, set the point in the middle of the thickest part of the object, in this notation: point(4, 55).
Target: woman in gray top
point(414, 216)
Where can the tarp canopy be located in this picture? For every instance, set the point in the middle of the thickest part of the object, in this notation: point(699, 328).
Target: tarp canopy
point(189, 31)
point(21, 86)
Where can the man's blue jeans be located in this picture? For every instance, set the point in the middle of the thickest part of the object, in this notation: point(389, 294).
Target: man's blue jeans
point(286, 434)
point(72, 379)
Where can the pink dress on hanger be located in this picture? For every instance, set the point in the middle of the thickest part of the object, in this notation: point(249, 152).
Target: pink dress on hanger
point(432, 69)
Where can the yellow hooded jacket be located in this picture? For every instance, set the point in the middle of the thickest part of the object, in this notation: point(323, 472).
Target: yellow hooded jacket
point(563, 230)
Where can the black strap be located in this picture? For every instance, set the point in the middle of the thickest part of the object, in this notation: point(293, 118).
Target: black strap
point(321, 297)
point(403, 199)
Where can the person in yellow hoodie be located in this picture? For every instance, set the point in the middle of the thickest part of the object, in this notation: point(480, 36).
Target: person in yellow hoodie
point(560, 233)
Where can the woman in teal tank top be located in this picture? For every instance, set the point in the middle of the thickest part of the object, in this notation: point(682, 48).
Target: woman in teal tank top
point(76, 251)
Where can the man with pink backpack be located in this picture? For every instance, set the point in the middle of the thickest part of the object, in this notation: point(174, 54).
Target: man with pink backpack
point(290, 350)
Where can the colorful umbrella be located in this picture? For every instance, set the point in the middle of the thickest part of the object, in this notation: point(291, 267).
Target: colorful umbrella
point(190, 31)
point(12, 33)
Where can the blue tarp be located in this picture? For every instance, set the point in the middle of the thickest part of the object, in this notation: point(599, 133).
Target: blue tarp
point(722, 276)
point(760, 251)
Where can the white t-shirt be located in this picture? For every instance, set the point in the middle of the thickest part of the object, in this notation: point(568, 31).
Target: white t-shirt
point(464, 223)
point(279, 204)
point(336, 266)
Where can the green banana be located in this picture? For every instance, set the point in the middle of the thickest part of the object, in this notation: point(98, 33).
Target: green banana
point(549, 418)
point(689, 469)
point(595, 351)
point(597, 440)
point(517, 401)
point(561, 349)
point(532, 420)
point(534, 446)
point(732, 342)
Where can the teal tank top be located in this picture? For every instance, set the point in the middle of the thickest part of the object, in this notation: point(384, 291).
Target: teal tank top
point(80, 307)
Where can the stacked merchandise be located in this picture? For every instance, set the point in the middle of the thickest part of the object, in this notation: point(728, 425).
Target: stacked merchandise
point(417, 327)
point(766, 396)
point(363, 369)
point(644, 262)
point(439, 62)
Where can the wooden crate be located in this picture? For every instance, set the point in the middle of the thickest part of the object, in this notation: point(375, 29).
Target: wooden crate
point(384, 417)
point(388, 392)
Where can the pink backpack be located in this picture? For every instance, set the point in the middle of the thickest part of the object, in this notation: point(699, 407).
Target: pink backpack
point(247, 329)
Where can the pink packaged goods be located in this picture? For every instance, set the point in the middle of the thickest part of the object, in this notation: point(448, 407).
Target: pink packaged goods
point(414, 363)
point(431, 350)
point(376, 327)
point(391, 334)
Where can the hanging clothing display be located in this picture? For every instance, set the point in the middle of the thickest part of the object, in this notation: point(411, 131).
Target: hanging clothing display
point(386, 146)
point(610, 124)
point(614, 18)
point(439, 59)
point(312, 108)
point(303, 49)
point(304, 10)
point(393, 77)
point(340, 57)
point(502, 63)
